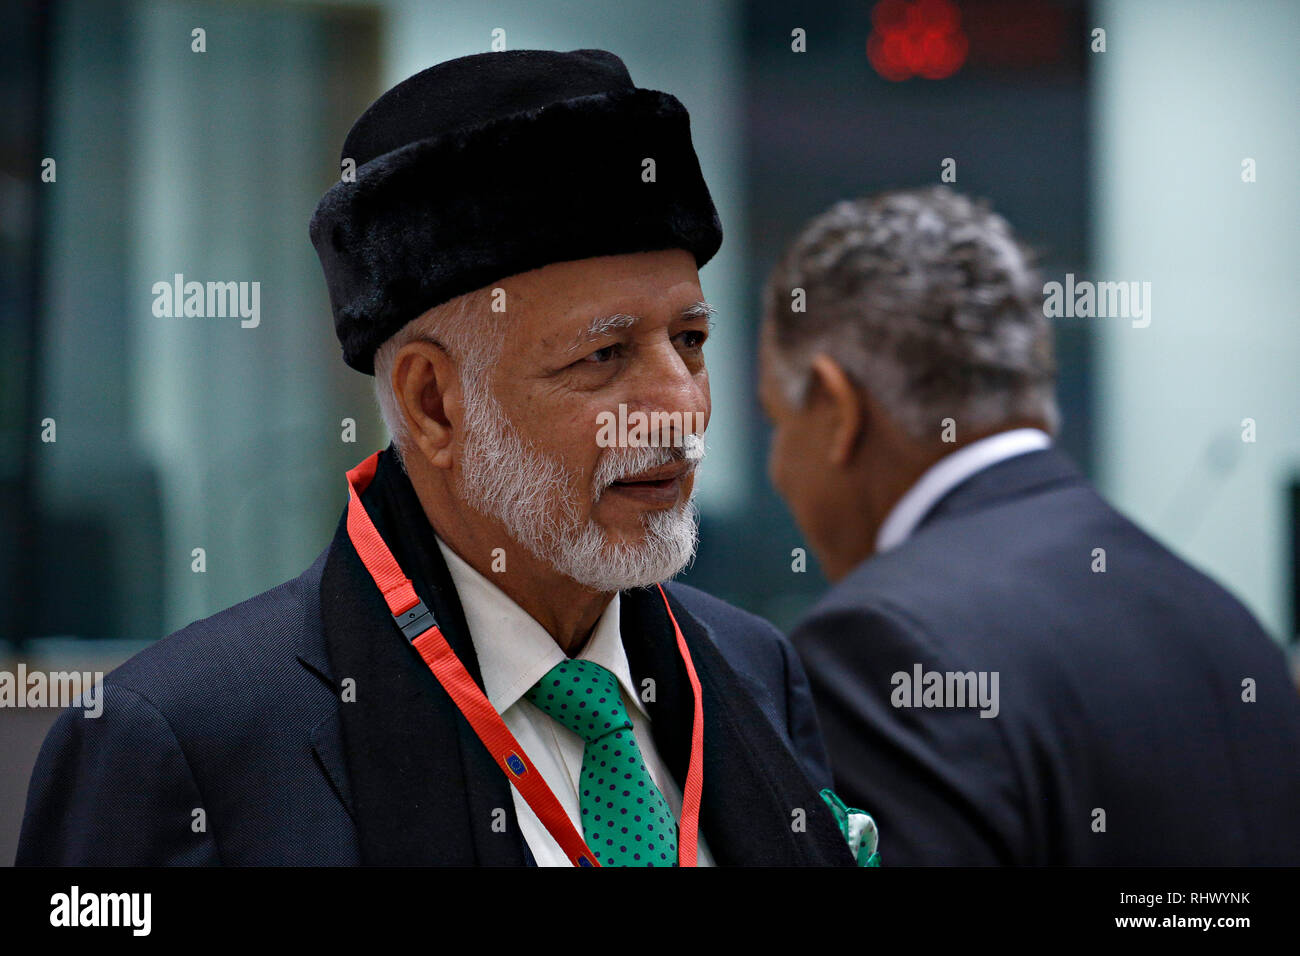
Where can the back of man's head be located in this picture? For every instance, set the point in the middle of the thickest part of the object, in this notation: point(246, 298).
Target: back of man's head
point(927, 299)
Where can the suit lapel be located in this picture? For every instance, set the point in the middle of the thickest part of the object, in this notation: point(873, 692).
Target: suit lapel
point(424, 789)
point(324, 735)
point(752, 784)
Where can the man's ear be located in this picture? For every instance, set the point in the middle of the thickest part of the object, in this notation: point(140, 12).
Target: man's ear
point(849, 411)
point(427, 387)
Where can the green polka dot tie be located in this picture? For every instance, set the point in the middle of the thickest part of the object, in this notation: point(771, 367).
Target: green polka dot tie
point(625, 819)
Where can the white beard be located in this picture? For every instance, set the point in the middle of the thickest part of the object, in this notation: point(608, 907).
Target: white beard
point(504, 477)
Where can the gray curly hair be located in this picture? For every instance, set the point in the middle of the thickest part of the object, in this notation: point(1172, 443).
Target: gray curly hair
point(460, 325)
point(927, 298)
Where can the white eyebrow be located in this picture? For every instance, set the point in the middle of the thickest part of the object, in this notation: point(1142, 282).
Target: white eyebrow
point(699, 310)
point(604, 325)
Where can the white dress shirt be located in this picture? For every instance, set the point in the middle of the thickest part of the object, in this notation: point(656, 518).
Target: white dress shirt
point(949, 472)
point(514, 653)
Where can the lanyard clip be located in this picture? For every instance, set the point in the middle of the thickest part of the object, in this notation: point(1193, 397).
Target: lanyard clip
point(415, 620)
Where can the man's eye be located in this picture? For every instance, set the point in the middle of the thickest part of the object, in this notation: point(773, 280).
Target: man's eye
point(693, 339)
point(601, 356)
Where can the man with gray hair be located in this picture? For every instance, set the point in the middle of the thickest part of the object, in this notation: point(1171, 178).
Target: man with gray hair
point(1007, 671)
point(489, 664)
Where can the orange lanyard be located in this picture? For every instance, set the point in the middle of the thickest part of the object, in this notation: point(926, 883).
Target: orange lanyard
point(420, 628)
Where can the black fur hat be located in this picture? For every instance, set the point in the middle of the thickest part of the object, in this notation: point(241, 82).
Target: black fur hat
point(490, 165)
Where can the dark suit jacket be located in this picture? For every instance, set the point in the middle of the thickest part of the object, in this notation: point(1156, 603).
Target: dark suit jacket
point(1119, 691)
point(239, 716)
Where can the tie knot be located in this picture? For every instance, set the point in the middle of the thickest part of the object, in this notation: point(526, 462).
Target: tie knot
point(582, 696)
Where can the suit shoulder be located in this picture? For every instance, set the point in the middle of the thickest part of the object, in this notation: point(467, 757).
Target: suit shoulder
point(720, 614)
point(231, 648)
point(881, 587)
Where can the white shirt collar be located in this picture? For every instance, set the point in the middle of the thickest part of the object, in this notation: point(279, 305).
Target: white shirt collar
point(514, 651)
point(949, 472)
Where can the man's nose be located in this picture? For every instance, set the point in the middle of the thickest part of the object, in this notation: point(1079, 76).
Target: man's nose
point(665, 382)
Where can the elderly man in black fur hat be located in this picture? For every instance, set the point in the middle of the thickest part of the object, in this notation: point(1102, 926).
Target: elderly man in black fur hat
point(484, 666)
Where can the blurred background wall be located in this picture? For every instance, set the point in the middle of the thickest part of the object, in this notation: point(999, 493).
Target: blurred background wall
point(182, 433)
point(1191, 92)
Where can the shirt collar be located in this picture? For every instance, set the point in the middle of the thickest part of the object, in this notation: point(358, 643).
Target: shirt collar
point(514, 651)
point(949, 472)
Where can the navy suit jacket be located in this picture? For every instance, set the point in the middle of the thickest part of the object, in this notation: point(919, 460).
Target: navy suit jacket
point(239, 716)
point(1121, 692)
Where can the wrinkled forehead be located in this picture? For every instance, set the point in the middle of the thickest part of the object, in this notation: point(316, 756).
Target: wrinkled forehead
point(563, 307)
